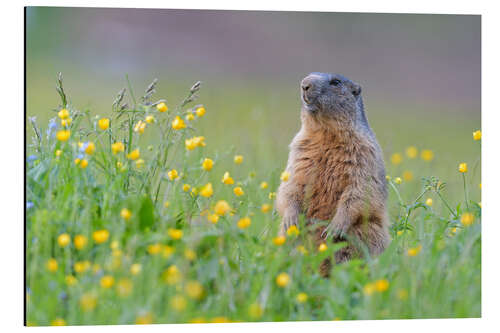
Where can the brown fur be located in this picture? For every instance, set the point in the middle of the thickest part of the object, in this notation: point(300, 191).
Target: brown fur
point(337, 175)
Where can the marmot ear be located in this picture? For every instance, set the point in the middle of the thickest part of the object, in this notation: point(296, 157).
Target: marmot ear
point(356, 89)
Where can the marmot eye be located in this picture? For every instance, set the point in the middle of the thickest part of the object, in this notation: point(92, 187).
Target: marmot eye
point(334, 82)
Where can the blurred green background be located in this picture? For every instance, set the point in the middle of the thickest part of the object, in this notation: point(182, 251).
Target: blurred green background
point(420, 74)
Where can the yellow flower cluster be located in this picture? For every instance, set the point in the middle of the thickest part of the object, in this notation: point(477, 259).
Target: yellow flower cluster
point(194, 142)
point(178, 123)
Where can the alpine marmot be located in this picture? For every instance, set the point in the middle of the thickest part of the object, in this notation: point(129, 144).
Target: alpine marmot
point(336, 170)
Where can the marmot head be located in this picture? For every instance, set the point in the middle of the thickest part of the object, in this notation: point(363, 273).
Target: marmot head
point(331, 97)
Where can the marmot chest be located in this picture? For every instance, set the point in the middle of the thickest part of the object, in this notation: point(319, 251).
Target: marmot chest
point(331, 170)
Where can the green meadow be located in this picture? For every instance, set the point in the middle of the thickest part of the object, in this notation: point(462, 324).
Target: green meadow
point(157, 206)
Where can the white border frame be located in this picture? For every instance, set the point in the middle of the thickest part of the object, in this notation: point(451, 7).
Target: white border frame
point(12, 88)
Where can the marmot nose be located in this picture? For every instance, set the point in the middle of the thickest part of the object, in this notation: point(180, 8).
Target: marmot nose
point(308, 83)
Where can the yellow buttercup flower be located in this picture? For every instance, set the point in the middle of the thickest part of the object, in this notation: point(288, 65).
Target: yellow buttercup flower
point(190, 144)
point(63, 135)
point(178, 123)
point(189, 254)
point(414, 251)
point(399, 232)
point(220, 320)
point(214, 218)
point(282, 280)
point(369, 289)
point(124, 287)
point(476, 135)
point(70, 280)
point(178, 303)
point(322, 247)
point(197, 141)
point(285, 175)
point(144, 319)
point(172, 275)
point(80, 242)
point(83, 163)
point(90, 149)
point(63, 114)
point(263, 185)
point(107, 281)
point(207, 164)
point(265, 208)
point(103, 123)
point(190, 117)
point(411, 152)
point(100, 236)
point(280, 240)
point(467, 219)
point(135, 269)
point(255, 311)
point(462, 167)
point(115, 245)
point(427, 155)
point(301, 297)
point(81, 266)
point(88, 301)
point(429, 202)
point(221, 207)
point(194, 289)
point(134, 155)
point(272, 195)
point(173, 174)
point(150, 119)
point(292, 231)
point(396, 158)
point(407, 176)
point(175, 233)
point(200, 112)
point(140, 127)
point(162, 107)
point(63, 240)
point(238, 191)
point(302, 249)
point(154, 249)
point(207, 190)
point(398, 180)
point(381, 285)
point(167, 251)
point(186, 187)
point(226, 179)
point(244, 222)
point(66, 122)
point(58, 152)
point(58, 322)
point(139, 163)
point(117, 147)
point(51, 265)
point(238, 159)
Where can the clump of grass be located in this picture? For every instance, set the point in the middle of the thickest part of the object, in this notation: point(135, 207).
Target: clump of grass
point(130, 220)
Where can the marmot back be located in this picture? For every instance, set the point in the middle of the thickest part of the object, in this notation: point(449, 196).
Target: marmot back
point(336, 169)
